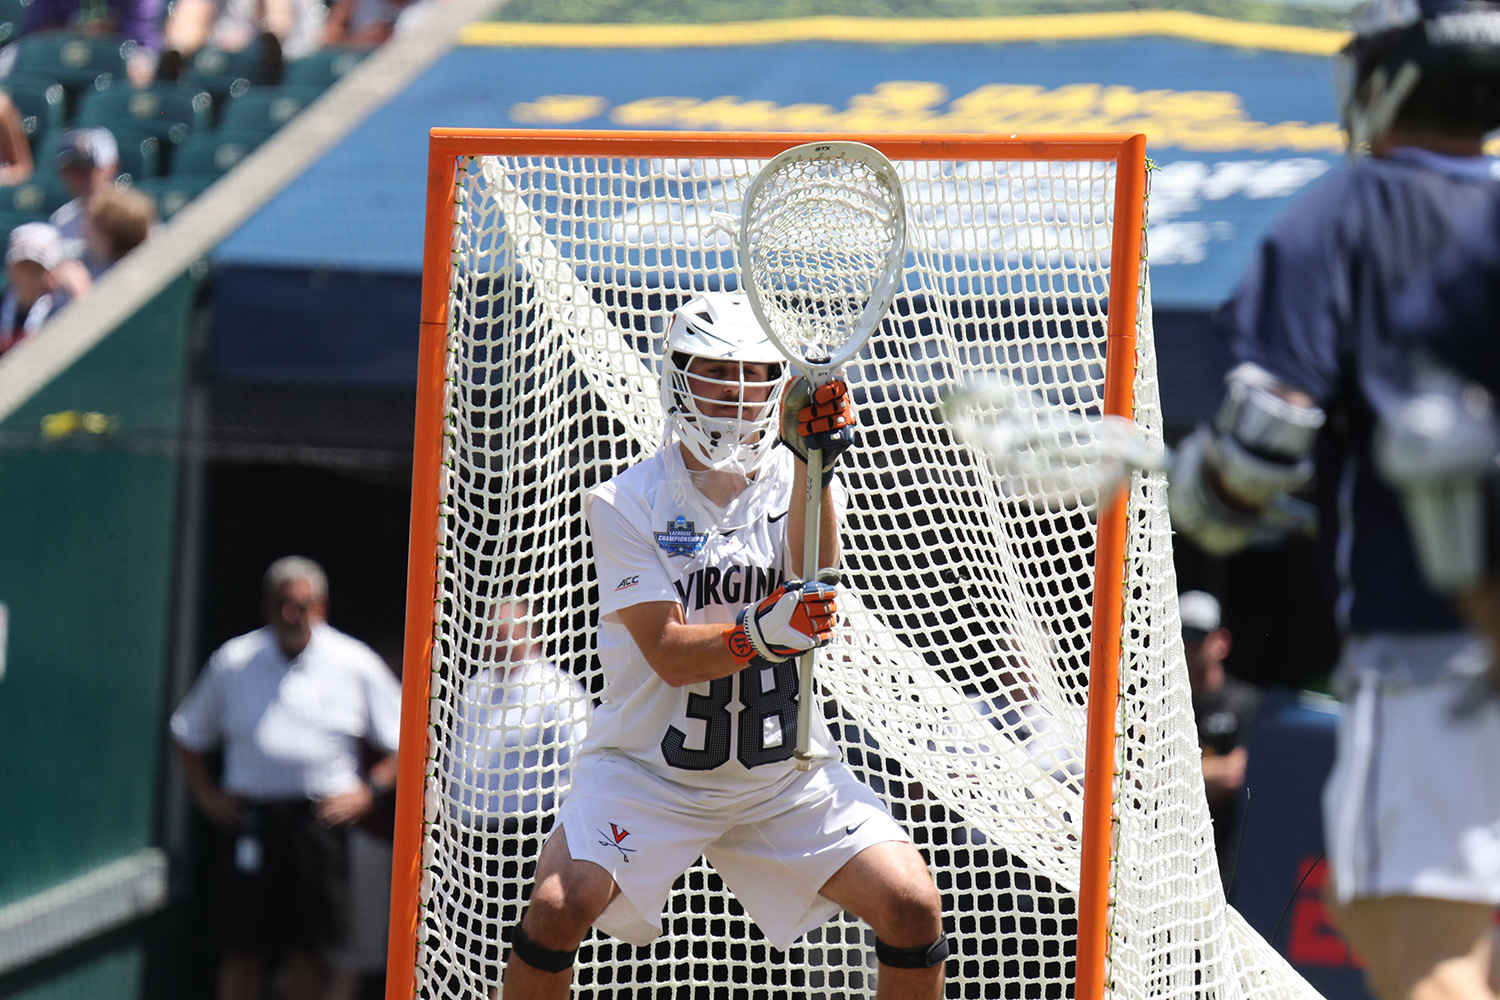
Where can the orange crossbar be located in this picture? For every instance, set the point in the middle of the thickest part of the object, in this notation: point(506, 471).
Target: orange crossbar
point(446, 145)
point(453, 142)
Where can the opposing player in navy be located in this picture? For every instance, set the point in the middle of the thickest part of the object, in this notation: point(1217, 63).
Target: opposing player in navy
point(696, 552)
point(1412, 807)
point(1443, 456)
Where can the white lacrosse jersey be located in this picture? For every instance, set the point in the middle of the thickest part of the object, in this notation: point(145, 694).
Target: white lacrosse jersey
point(657, 539)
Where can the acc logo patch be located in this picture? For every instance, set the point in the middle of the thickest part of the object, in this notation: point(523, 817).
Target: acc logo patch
point(680, 539)
point(628, 582)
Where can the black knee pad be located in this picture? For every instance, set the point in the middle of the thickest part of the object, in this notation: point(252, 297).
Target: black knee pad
point(534, 955)
point(913, 958)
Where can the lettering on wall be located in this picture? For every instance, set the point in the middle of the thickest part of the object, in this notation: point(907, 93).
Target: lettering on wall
point(1206, 121)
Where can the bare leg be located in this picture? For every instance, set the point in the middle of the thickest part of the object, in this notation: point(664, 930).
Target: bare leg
point(1421, 949)
point(240, 975)
point(566, 898)
point(888, 887)
point(187, 28)
point(1495, 960)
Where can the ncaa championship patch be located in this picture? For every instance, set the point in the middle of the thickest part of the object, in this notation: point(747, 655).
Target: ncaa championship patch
point(680, 539)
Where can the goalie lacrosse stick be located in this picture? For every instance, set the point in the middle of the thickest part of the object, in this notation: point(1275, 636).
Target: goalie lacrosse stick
point(822, 244)
point(1045, 452)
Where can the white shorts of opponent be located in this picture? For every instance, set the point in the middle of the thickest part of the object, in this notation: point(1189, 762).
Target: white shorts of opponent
point(774, 849)
point(1412, 806)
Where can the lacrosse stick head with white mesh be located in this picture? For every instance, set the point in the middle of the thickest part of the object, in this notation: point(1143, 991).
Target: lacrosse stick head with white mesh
point(822, 245)
point(1044, 452)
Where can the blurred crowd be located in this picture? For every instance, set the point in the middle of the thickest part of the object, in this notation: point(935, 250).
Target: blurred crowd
point(114, 115)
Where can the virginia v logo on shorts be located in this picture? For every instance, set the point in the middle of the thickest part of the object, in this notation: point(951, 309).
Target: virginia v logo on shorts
point(614, 839)
point(680, 539)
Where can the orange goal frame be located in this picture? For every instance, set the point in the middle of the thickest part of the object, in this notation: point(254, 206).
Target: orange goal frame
point(445, 149)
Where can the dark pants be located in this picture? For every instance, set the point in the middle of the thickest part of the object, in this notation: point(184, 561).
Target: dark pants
point(284, 881)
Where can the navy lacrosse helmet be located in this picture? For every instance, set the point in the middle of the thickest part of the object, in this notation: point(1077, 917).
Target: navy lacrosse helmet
point(1437, 61)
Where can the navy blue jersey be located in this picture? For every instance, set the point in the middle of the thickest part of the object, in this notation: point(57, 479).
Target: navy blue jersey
point(1315, 311)
point(1453, 310)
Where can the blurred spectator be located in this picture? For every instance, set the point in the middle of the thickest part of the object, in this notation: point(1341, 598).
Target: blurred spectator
point(88, 161)
point(520, 718)
point(282, 29)
point(372, 22)
point(32, 256)
point(118, 221)
point(15, 149)
point(1223, 707)
point(292, 705)
point(137, 20)
point(357, 967)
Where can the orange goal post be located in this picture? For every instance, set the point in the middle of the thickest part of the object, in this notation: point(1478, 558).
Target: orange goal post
point(1007, 672)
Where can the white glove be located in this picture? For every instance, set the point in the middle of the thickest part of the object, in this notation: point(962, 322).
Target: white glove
point(795, 617)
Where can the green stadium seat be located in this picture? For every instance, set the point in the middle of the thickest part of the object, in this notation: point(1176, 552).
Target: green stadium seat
point(212, 153)
point(78, 62)
point(323, 68)
point(167, 111)
point(36, 197)
point(173, 193)
point(40, 102)
point(12, 19)
point(267, 109)
point(140, 153)
point(223, 73)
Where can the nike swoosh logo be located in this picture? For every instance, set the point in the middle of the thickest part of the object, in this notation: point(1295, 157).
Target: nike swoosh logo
point(849, 830)
point(770, 519)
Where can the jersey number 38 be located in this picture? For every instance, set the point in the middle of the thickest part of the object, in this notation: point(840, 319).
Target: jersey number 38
point(757, 706)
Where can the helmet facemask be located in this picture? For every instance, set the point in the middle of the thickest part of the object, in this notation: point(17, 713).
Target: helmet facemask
point(718, 365)
point(712, 407)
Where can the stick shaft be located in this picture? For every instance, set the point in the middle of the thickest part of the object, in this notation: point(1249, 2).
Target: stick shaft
point(811, 525)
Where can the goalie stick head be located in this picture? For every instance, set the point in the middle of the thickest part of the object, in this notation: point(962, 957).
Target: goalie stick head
point(1433, 63)
point(718, 418)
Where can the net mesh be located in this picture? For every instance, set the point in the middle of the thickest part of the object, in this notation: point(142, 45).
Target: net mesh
point(957, 679)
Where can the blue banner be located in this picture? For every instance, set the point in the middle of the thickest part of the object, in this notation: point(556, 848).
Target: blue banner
point(1236, 132)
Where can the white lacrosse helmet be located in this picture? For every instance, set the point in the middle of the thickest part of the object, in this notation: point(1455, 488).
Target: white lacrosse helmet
point(720, 326)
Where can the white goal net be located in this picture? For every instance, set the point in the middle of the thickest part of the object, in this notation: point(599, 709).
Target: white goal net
point(958, 679)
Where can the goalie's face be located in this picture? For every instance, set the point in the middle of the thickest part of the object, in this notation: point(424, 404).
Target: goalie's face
point(723, 410)
point(731, 389)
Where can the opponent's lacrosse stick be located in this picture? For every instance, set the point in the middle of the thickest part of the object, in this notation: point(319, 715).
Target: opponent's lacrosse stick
point(822, 245)
point(1046, 453)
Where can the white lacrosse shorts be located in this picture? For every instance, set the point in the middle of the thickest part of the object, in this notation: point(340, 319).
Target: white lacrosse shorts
point(1412, 805)
point(775, 846)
